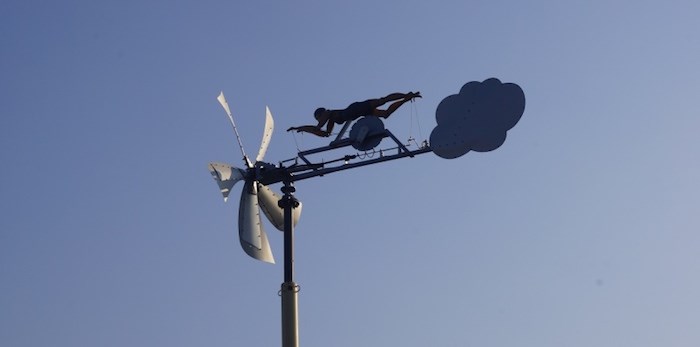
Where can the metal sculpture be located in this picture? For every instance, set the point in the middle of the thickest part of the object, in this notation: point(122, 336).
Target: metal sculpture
point(477, 118)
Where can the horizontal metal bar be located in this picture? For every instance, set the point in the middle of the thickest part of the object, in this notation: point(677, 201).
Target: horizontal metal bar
point(324, 171)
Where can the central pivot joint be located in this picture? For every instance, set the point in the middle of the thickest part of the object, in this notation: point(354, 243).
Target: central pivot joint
point(288, 199)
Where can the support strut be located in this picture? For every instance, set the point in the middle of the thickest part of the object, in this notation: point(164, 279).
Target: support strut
point(290, 290)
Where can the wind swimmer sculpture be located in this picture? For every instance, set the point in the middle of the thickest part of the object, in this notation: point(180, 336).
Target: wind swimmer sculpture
point(475, 119)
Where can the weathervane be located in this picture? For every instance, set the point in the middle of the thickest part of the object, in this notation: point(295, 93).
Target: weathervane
point(475, 119)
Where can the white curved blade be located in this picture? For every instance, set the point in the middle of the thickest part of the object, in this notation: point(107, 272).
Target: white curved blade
point(225, 176)
point(224, 104)
point(250, 230)
point(274, 213)
point(267, 134)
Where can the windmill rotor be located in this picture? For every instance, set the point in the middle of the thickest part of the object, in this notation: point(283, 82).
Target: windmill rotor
point(255, 195)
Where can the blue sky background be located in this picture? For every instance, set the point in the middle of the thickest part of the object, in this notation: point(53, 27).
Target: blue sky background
point(581, 230)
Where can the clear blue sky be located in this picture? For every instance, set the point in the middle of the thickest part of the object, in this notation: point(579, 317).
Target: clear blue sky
point(580, 231)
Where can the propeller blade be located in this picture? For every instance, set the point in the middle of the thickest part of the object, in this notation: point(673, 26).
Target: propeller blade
point(267, 134)
point(274, 213)
point(226, 177)
point(250, 229)
point(224, 104)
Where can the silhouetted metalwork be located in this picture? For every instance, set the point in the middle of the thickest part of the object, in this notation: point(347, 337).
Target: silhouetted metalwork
point(477, 118)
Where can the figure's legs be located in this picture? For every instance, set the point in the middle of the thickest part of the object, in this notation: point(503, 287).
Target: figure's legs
point(386, 113)
point(391, 97)
point(393, 107)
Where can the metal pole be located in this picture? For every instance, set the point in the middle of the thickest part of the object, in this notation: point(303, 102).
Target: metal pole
point(289, 290)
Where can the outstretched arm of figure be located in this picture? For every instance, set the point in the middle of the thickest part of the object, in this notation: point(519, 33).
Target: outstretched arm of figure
point(312, 129)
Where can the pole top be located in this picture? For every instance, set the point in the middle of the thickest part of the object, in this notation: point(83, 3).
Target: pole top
point(288, 187)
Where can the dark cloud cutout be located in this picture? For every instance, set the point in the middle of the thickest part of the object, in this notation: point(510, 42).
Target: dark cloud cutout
point(477, 118)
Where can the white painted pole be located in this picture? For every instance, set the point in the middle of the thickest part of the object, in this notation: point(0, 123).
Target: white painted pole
point(290, 315)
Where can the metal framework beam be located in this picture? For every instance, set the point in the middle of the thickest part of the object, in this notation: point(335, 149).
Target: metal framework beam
point(275, 174)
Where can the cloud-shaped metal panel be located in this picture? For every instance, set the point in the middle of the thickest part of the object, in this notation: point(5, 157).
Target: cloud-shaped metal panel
point(477, 118)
